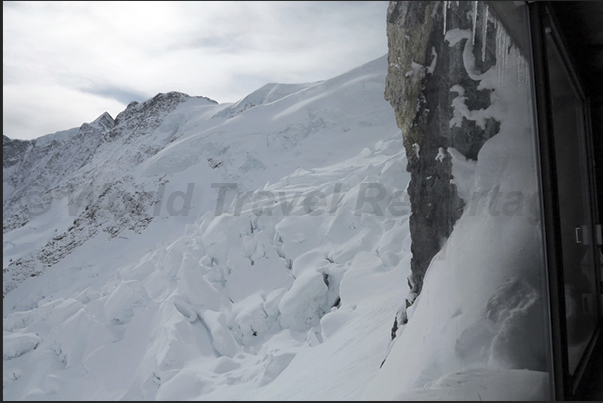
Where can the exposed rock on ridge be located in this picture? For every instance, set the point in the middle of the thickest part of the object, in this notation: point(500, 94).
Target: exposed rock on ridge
point(62, 165)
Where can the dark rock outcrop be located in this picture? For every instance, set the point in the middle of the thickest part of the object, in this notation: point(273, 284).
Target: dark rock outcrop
point(423, 69)
point(12, 151)
point(139, 119)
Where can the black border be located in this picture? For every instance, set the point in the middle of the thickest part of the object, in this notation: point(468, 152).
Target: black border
point(542, 18)
point(549, 199)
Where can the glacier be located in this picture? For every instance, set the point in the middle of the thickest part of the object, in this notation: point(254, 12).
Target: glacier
point(113, 290)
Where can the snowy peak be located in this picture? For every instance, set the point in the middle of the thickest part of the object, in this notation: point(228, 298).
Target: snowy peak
point(274, 92)
point(140, 118)
point(268, 93)
point(103, 123)
point(162, 102)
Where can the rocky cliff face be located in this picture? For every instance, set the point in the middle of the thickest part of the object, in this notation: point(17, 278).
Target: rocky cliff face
point(456, 79)
point(427, 77)
point(12, 151)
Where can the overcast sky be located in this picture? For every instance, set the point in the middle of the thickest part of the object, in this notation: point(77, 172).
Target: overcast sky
point(65, 63)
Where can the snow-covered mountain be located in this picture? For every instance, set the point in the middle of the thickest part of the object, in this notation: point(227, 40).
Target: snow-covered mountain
point(187, 249)
point(261, 250)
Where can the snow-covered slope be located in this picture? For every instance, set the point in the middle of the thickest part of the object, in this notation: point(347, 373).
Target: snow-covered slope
point(190, 250)
point(117, 168)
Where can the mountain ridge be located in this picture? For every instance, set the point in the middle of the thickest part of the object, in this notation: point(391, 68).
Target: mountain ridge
point(81, 164)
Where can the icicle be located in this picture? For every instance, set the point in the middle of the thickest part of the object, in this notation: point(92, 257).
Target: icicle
point(519, 68)
point(526, 73)
point(484, 33)
point(499, 52)
point(475, 4)
point(445, 9)
point(502, 47)
point(505, 50)
point(522, 70)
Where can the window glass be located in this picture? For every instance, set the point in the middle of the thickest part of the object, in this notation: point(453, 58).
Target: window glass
point(579, 277)
point(474, 323)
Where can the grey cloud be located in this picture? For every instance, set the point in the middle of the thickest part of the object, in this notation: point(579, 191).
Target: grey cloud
point(231, 43)
point(122, 95)
point(223, 50)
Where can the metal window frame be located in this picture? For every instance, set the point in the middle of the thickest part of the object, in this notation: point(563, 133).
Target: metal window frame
point(541, 18)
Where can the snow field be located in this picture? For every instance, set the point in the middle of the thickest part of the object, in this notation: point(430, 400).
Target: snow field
point(239, 305)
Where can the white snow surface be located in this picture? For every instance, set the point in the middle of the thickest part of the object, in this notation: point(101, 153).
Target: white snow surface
point(236, 306)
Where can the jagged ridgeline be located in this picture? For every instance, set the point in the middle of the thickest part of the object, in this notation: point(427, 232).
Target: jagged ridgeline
point(67, 166)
